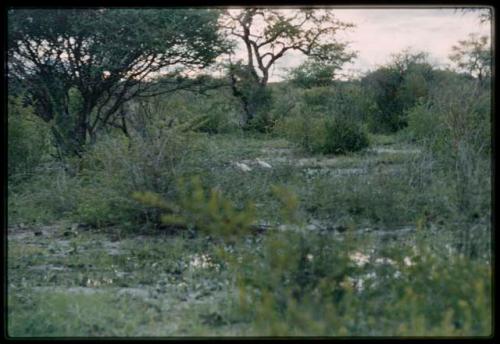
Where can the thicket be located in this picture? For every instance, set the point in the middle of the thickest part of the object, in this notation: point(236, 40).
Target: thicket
point(29, 140)
point(327, 119)
point(453, 126)
point(397, 87)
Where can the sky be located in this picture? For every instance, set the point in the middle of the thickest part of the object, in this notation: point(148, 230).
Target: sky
point(384, 31)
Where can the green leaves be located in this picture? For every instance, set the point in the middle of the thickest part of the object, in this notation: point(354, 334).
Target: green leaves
point(210, 212)
point(105, 55)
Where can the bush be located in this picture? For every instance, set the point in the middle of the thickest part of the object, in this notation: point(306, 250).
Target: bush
point(324, 135)
point(309, 285)
point(29, 139)
point(306, 132)
point(118, 166)
point(344, 135)
point(285, 100)
point(424, 125)
point(327, 119)
point(259, 104)
point(220, 117)
point(396, 88)
point(453, 128)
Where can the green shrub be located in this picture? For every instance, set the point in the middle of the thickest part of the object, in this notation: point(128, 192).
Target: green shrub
point(453, 128)
point(327, 119)
point(29, 139)
point(395, 88)
point(195, 208)
point(423, 123)
point(308, 285)
point(337, 135)
point(285, 100)
point(117, 167)
point(259, 105)
point(344, 135)
point(305, 131)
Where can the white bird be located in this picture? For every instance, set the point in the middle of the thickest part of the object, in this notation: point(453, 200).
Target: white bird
point(263, 163)
point(243, 167)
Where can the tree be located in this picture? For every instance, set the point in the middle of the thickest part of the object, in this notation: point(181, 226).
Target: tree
point(396, 87)
point(473, 56)
point(79, 66)
point(313, 74)
point(269, 34)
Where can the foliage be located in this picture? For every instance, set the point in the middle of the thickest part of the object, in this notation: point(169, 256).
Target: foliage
point(309, 285)
point(473, 56)
point(215, 110)
point(269, 34)
point(102, 56)
point(207, 212)
point(286, 99)
point(303, 284)
point(48, 195)
point(344, 135)
point(454, 127)
point(28, 140)
point(306, 132)
point(327, 121)
point(313, 74)
point(150, 159)
point(255, 98)
point(395, 88)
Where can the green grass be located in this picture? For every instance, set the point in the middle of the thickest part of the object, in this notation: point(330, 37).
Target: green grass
point(161, 286)
point(124, 280)
point(79, 286)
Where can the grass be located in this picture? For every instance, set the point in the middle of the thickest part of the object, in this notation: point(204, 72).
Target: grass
point(114, 281)
point(78, 286)
point(163, 285)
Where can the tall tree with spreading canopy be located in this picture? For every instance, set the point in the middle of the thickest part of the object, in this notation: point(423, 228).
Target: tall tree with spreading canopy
point(268, 35)
point(79, 66)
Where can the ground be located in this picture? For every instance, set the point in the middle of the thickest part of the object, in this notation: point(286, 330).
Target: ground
point(65, 279)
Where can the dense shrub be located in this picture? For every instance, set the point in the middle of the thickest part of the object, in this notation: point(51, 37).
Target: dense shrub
point(303, 284)
point(395, 88)
point(260, 99)
point(327, 119)
point(28, 139)
point(338, 135)
point(344, 135)
point(453, 127)
point(285, 100)
point(118, 166)
point(313, 74)
point(218, 109)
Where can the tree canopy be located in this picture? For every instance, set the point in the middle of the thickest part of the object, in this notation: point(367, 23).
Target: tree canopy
point(473, 55)
point(79, 66)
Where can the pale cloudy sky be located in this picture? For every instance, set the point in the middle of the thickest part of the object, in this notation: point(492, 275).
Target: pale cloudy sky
point(383, 31)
